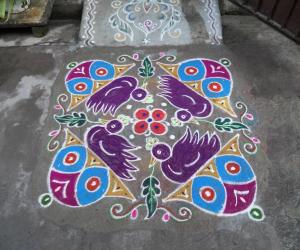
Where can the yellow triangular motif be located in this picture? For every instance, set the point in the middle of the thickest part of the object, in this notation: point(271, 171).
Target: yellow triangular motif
point(184, 193)
point(122, 69)
point(99, 84)
point(93, 160)
point(232, 147)
point(170, 68)
point(210, 169)
point(71, 139)
point(76, 100)
point(117, 188)
point(224, 104)
point(196, 86)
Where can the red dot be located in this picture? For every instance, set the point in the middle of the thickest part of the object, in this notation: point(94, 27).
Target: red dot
point(158, 128)
point(101, 72)
point(158, 115)
point(93, 184)
point(141, 127)
point(80, 86)
point(71, 158)
point(191, 70)
point(215, 87)
point(208, 194)
point(233, 168)
point(142, 114)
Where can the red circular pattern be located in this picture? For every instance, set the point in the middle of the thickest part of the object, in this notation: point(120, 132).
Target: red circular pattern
point(93, 184)
point(191, 70)
point(158, 128)
point(80, 86)
point(142, 114)
point(233, 168)
point(208, 194)
point(158, 115)
point(141, 127)
point(101, 72)
point(71, 158)
point(215, 87)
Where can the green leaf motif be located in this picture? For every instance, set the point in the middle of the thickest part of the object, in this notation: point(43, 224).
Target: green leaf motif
point(147, 70)
point(151, 190)
point(227, 125)
point(74, 120)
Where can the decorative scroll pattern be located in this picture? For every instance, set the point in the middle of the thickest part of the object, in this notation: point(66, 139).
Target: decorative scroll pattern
point(145, 17)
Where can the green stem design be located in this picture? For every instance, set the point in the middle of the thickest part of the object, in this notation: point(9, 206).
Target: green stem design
point(198, 121)
point(145, 83)
point(228, 125)
point(223, 124)
point(76, 119)
point(100, 121)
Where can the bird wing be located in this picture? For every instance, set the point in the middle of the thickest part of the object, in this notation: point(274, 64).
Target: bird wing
point(114, 150)
point(112, 96)
point(184, 97)
point(189, 154)
point(171, 87)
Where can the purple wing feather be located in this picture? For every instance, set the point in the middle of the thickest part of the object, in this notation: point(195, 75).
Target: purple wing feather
point(114, 150)
point(112, 96)
point(189, 154)
point(183, 97)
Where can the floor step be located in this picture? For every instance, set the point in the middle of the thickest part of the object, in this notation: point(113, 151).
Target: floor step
point(155, 23)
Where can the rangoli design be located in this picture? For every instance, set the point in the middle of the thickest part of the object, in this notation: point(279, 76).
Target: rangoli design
point(148, 17)
point(103, 147)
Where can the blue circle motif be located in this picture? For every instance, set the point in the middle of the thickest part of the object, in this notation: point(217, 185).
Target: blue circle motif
point(86, 197)
point(105, 65)
point(190, 78)
point(244, 175)
point(59, 162)
point(215, 206)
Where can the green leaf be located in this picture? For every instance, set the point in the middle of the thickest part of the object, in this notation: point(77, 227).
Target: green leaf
point(147, 69)
point(151, 190)
point(238, 125)
point(227, 125)
point(76, 119)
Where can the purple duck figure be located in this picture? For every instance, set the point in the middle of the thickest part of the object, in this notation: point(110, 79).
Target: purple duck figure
point(187, 156)
point(181, 96)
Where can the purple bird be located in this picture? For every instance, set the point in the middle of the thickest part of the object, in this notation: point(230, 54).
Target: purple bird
point(113, 95)
point(113, 150)
point(183, 97)
point(189, 154)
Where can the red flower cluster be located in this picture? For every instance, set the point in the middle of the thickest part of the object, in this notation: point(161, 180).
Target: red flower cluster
point(150, 120)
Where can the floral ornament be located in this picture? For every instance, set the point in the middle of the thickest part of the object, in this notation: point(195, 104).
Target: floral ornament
point(150, 142)
point(148, 99)
point(124, 119)
point(175, 122)
point(150, 121)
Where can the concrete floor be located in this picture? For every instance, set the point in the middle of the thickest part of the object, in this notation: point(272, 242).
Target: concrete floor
point(266, 68)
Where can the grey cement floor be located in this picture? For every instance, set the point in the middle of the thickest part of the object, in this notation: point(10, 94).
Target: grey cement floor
point(267, 73)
